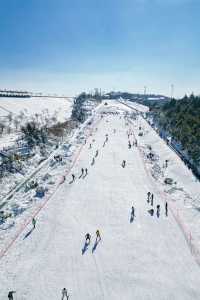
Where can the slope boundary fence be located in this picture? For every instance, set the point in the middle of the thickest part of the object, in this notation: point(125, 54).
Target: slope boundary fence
point(193, 246)
point(4, 251)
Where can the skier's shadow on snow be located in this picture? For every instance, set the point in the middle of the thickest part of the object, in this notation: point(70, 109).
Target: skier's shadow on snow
point(28, 233)
point(95, 245)
point(85, 176)
point(71, 181)
point(85, 248)
point(131, 218)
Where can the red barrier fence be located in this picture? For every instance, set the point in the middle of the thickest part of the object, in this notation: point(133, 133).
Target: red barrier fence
point(4, 251)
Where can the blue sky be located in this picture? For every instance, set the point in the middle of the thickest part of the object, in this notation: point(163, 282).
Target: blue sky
point(67, 46)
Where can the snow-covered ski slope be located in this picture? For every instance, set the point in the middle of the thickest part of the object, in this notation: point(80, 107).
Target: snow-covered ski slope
point(144, 258)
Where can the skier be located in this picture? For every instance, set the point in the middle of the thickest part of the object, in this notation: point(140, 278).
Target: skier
point(73, 177)
point(34, 222)
point(148, 197)
point(151, 211)
point(86, 171)
point(64, 293)
point(98, 236)
point(123, 164)
point(129, 144)
point(135, 143)
point(87, 238)
point(82, 172)
point(152, 196)
point(93, 161)
point(132, 212)
point(166, 209)
point(10, 295)
point(166, 163)
point(90, 146)
point(158, 210)
point(97, 152)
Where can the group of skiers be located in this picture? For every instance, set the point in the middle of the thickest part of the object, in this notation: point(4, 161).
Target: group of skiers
point(84, 172)
point(95, 156)
point(150, 200)
point(64, 292)
point(133, 144)
point(88, 237)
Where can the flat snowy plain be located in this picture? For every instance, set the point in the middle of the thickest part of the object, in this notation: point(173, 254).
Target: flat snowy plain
point(144, 258)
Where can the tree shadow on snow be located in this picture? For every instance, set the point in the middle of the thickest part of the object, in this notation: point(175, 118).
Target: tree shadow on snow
point(28, 233)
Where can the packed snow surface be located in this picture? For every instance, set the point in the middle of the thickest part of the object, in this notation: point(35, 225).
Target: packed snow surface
point(145, 257)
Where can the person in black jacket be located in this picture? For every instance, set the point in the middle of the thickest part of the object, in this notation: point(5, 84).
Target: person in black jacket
point(10, 295)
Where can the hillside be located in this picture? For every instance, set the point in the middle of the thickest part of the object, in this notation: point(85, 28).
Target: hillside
point(181, 120)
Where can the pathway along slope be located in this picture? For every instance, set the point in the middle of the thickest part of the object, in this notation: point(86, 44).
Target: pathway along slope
point(147, 258)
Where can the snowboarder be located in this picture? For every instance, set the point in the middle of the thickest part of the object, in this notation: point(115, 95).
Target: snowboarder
point(98, 236)
point(10, 295)
point(166, 209)
point(158, 211)
point(34, 222)
point(64, 293)
point(152, 196)
point(148, 197)
point(123, 164)
point(87, 238)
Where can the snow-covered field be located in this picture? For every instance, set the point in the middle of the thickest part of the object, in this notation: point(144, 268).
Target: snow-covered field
point(146, 257)
point(32, 106)
point(15, 112)
point(135, 105)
